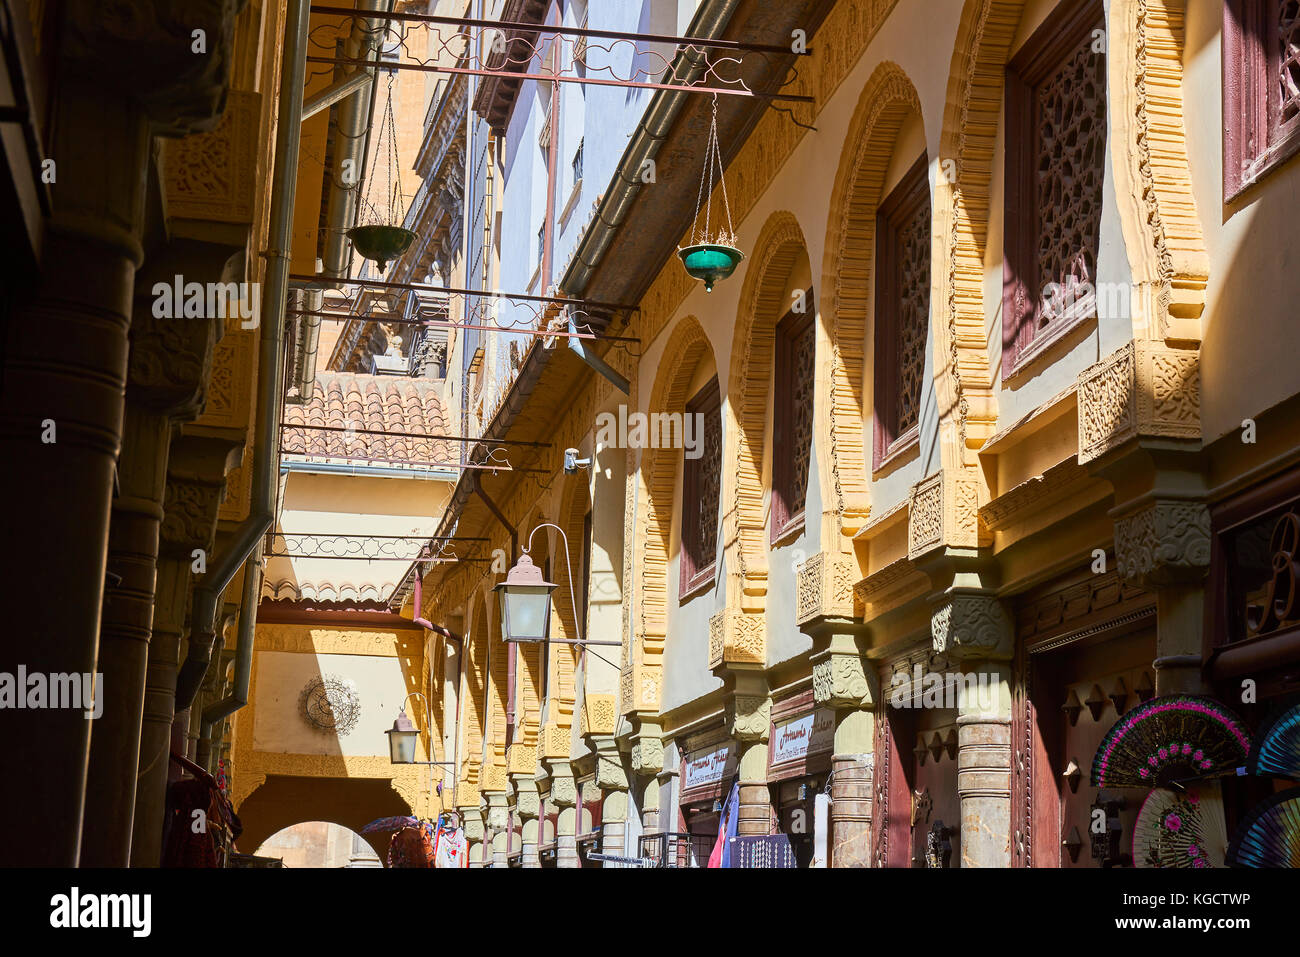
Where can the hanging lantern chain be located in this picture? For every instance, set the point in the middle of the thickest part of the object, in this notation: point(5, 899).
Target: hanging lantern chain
point(712, 165)
point(395, 200)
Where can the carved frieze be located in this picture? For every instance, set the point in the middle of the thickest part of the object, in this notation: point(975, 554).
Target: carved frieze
point(598, 714)
point(824, 588)
point(737, 638)
point(966, 625)
point(213, 176)
point(943, 511)
point(1143, 390)
point(1166, 541)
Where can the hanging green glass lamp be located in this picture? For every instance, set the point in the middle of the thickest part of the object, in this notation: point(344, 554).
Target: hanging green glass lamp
point(711, 255)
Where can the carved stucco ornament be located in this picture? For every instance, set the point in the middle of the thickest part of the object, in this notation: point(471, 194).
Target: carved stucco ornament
point(647, 754)
point(1165, 542)
point(1144, 390)
point(966, 625)
point(824, 588)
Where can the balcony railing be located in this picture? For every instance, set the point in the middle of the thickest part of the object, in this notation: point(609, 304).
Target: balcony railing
point(677, 850)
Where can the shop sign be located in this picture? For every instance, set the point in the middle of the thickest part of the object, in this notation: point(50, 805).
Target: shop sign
point(708, 767)
point(796, 738)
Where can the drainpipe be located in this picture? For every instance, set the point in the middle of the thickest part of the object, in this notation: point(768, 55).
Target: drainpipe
point(270, 388)
point(313, 300)
point(243, 656)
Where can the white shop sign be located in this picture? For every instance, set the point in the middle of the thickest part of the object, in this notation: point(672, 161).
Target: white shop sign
point(799, 737)
point(708, 767)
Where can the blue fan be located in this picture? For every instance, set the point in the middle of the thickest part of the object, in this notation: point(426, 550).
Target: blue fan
point(1278, 753)
point(1269, 836)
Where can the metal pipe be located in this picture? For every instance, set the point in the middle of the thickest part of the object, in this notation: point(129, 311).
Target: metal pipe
point(310, 341)
point(336, 91)
point(270, 383)
point(596, 362)
point(243, 656)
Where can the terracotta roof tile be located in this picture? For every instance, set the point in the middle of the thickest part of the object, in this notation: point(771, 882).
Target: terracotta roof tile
point(373, 403)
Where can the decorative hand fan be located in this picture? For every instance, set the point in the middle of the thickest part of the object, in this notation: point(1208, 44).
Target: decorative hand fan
point(1278, 751)
point(1171, 738)
point(1269, 836)
point(1181, 829)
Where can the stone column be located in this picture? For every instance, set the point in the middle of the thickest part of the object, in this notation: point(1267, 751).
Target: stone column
point(972, 627)
point(1140, 429)
point(612, 781)
point(842, 681)
point(826, 612)
point(647, 762)
point(564, 795)
point(528, 805)
point(124, 77)
point(498, 826)
point(170, 359)
point(750, 716)
point(472, 818)
point(195, 485)
point(1164, 545)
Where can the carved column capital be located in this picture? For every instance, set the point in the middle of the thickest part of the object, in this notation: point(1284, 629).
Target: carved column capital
point(1144, 390)
point(564, 792)
point(610, 774)
point(145, 49)
point(841, 680)
point(528, 803)
point(1164, 542)
point(749, 716)
point(647, 750)
point(971, 625)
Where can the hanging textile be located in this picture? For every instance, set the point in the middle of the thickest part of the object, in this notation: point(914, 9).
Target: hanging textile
point(450, 848)
point(721, 856)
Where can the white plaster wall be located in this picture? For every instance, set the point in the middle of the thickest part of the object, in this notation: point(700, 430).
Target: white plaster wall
point(1249, 325)
point(279, 725)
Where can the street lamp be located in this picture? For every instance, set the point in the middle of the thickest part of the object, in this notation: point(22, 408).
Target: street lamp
point(402, 738)
point(525, 601)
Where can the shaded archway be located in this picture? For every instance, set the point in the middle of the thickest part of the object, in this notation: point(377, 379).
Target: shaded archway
point(887, 99)
point(284, 800)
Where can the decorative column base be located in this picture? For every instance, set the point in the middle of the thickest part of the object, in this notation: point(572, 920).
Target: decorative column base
point(852, 779)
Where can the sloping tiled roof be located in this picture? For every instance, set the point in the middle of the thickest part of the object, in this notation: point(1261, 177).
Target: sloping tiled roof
point(343, 400)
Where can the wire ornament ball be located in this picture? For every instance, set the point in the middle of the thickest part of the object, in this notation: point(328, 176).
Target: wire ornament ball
point(329, 703)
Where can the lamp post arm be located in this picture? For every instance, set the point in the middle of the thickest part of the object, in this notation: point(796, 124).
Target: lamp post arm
point(568, 564)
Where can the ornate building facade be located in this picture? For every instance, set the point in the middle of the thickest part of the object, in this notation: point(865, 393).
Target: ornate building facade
point(985, 408)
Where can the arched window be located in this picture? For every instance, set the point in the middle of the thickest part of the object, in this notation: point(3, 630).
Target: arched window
point(701, 489)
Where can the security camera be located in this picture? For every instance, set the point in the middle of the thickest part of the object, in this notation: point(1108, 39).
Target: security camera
point(572, 463)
